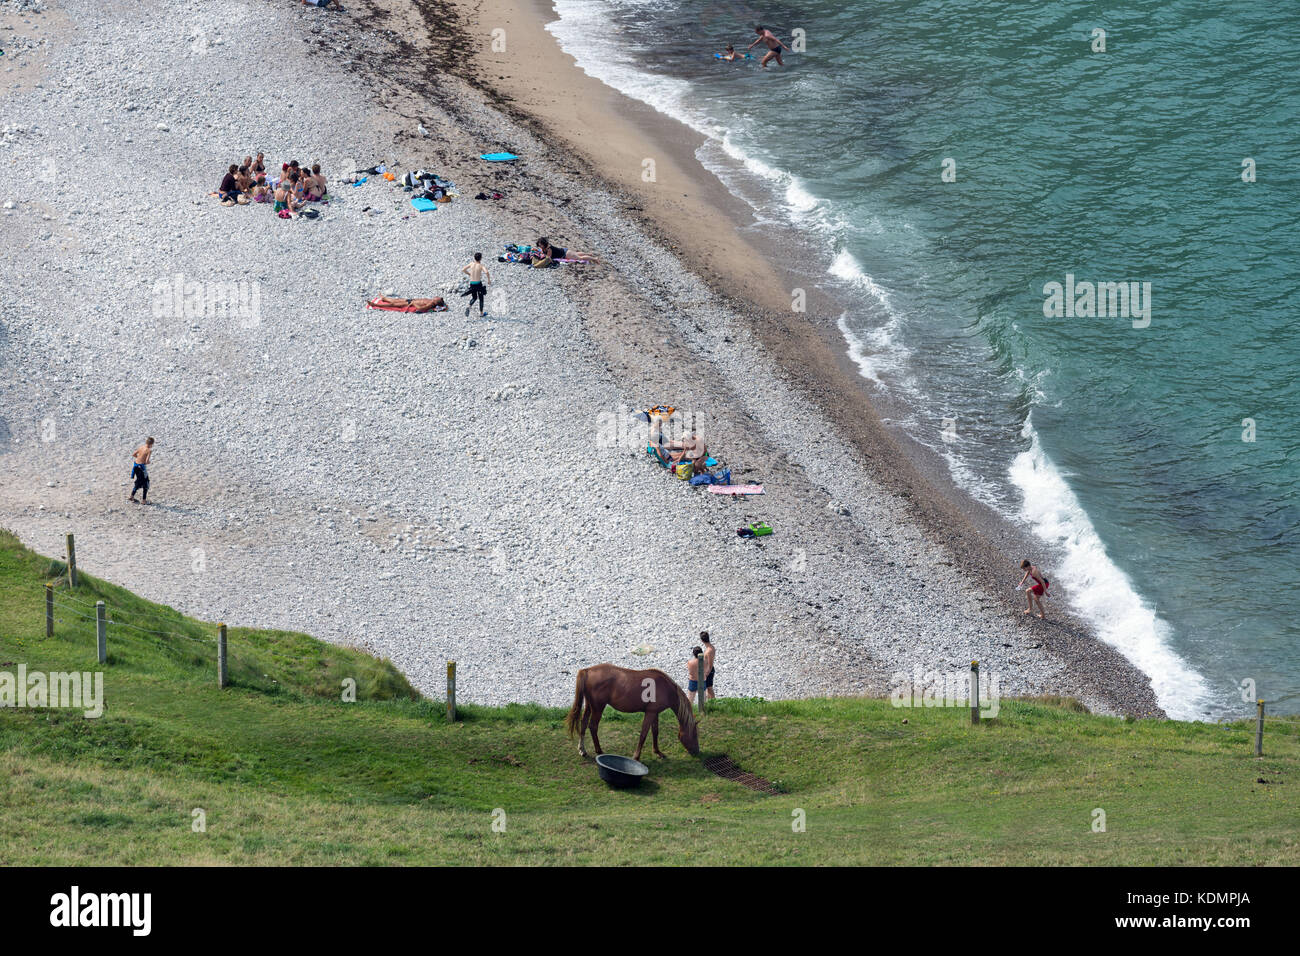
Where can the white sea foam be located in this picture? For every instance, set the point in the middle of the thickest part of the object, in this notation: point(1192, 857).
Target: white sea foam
point(864, 355)
point(1090, 582)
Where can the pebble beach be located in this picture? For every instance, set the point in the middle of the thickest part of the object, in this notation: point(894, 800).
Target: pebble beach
point(437, 486)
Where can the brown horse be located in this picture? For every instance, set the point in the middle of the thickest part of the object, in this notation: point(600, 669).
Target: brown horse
point(606, 685)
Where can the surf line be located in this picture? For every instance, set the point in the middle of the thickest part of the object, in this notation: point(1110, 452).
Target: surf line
point(1086, 300)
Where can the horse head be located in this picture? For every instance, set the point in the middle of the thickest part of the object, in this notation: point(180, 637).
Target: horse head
point(689, 735)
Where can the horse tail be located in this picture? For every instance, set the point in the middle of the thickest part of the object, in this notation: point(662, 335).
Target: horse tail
point(575, 712)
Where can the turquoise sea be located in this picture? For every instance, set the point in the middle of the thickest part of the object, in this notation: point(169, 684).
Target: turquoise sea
point(1155, 452)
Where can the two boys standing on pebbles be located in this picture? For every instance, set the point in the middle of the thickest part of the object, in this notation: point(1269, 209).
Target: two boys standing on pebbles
point(701, 657)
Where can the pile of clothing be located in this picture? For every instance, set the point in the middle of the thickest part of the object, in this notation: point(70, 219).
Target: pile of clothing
point(426, 185)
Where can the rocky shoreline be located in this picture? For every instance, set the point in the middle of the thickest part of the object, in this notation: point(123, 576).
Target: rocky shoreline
point(436, 487)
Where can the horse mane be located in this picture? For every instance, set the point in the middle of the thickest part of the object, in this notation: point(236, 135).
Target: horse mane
point(683, 706)
point(683, 702)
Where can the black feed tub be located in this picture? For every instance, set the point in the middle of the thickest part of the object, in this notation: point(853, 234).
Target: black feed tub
point(621, 772)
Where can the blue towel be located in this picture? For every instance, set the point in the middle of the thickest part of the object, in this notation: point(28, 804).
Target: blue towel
point(424, 205)
point(498, 157)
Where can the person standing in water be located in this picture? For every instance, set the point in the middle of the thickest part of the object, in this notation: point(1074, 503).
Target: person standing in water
point(140, 470)
point(479, 279)
point(773, 46)
point(1033, 594)
point(710, 652)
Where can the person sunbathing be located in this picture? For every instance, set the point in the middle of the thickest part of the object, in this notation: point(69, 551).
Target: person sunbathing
point(672, 452)
point(261, 191)
point(688, 449)
point(394, 303)
point(547, 254)
point(259, 165)
point(656, 434)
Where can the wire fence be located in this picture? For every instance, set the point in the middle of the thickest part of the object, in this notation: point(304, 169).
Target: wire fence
point(248, 671)
point(124, 628)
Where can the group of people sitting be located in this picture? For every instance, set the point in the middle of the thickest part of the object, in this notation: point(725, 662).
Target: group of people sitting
point(689, 448)
point(291, 190)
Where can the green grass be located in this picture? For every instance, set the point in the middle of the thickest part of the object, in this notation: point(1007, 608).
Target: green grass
point(286, 772)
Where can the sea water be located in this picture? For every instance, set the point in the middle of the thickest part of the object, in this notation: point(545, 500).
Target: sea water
point(957, 166)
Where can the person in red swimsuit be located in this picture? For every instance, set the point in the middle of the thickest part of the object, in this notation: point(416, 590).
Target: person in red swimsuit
point(1034, 594)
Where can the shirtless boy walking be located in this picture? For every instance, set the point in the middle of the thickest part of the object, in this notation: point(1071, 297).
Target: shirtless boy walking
point(140, 469)
point(479, 280)
point(773, 46)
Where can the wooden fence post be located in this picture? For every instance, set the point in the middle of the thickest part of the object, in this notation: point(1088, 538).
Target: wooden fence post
point(49, 610)
point(974, 692)
point(101, 631)
point(222, 671)
point(451, 691)
point(1259, 728)
point(72, 561)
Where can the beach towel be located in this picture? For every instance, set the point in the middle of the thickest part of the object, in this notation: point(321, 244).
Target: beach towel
point(423, 205)
point(653, 452)
point(498, 157)
point(726, 489)
point(390, 304)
